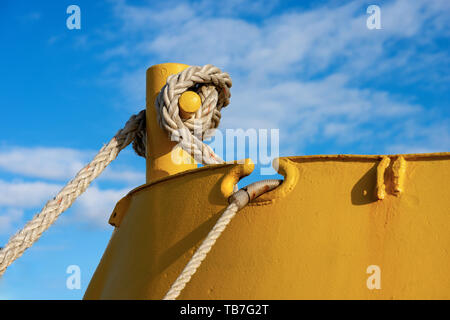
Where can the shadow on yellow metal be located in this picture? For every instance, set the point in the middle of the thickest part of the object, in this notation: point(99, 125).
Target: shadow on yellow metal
point(312, 238)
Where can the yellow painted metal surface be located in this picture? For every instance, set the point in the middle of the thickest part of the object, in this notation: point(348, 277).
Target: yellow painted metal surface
point(159, 147)
point(189, 103)
point(313, 237)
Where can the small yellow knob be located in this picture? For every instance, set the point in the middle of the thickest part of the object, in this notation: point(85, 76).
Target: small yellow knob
point(189, 103)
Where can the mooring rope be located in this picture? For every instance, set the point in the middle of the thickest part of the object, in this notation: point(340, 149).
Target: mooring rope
point(33, 230)
point(214, 91)
point(212, 85)
point(237, 201)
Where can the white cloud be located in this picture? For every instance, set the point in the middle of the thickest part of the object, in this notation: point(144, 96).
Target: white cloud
point(130, 177)
point(60, 164)
point(140, 18)
point(26, 194)
point(17, 196)
point(9, 217)
point(95, 206)
point(326, 108)
point(296, 41)
point(40, 162)
point(300, 71)
point(422, 139)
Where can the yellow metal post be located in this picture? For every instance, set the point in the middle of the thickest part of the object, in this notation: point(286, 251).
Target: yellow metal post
point(159, 146)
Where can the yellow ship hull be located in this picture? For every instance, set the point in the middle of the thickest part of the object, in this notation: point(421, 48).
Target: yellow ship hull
point(314, 237)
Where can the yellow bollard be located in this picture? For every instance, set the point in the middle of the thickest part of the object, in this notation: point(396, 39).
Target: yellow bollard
point(159, 147)
point(189, 103)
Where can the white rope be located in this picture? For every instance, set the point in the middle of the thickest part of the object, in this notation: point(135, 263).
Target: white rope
point(201, 253)
point(237, 201)
point(213, 87)
point(33, 230)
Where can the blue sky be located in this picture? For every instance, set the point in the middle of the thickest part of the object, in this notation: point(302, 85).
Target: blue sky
point(312, 70)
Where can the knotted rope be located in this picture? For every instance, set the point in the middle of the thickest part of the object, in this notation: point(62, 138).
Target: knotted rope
point(213, 87)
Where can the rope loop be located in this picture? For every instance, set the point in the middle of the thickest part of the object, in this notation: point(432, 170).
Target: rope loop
point(213, 87)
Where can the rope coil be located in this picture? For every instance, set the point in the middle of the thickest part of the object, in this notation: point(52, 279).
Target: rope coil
point(213, 87)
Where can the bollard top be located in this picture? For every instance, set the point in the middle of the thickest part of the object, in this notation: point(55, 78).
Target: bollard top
point(189, 102)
